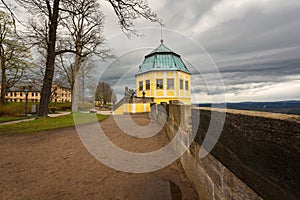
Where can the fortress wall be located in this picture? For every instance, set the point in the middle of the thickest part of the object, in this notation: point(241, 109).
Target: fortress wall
point(254, 157)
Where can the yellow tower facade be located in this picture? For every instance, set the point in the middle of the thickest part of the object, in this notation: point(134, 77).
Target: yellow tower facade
point(164, 77)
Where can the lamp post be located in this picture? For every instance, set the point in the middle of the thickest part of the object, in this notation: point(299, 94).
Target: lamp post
point(26, 105)
point(144, 96)
point(101, 100)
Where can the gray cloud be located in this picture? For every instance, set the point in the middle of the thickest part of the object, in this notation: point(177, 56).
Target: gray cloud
point(255, 44)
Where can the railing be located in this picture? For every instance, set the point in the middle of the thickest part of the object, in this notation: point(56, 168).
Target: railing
point(120, 103)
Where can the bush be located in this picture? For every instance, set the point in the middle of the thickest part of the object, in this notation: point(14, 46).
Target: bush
point(15, 109)
point(85, 106)
point(54, 107)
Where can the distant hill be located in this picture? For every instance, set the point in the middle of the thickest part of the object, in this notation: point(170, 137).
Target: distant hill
point(286, 107)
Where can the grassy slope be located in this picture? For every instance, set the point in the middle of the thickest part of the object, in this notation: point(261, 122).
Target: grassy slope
point(45, 124)
point(8, 119)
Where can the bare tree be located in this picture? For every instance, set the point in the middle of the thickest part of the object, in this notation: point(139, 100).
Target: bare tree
point(14, 55)
point(86, 77)
point(53, 12)
point(66, 73)
point(103, 93)
point(49, 10)
point(84, 23)
point(129, 10)
point(64, 69)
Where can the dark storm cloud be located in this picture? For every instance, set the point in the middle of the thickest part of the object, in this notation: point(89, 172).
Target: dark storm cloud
point(276, 68)
point(183, 14)
point(254, 43)
point(255, 32)
point(256, 48)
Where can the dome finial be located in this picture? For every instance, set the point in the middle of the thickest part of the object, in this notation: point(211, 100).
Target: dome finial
point(161, 35)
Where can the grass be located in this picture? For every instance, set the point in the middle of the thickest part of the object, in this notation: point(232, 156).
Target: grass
point(8, 119)
point(18, 108)
point(46, 124)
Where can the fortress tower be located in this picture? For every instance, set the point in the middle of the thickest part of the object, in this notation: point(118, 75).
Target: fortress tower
point(164, 77)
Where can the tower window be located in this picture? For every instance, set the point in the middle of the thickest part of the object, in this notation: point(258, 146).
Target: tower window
point(141, 85)
point(170, 83)
point(159, 84)
point(186, 85)
point(147, 84)
point(181, 84)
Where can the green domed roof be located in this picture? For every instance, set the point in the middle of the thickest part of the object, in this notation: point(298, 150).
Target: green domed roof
point(161, 49)
point(162, 59)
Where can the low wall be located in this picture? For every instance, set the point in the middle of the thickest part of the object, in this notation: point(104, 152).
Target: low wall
point(132, 108)
point(254, 158)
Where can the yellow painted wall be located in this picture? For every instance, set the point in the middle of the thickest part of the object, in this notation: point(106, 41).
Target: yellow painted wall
point(132, 108)
point(165, 95)
point(59, 94)
point(119, 111)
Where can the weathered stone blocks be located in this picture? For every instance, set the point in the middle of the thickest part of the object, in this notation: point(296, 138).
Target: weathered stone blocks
point(254, 157)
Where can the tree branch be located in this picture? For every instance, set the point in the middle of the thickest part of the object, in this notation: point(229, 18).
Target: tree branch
point(65, 51)
point(49, 9)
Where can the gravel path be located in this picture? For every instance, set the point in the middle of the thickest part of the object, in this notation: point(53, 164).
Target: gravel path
point(56, 165)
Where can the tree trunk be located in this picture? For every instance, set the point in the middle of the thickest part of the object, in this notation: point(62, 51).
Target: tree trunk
point(75, 96)
point(76, 87)
point(3, 75)
point(48, 78)
point(82, 84)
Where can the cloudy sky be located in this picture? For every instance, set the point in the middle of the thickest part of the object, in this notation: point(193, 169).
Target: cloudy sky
point(236, 50)
point(253, 44)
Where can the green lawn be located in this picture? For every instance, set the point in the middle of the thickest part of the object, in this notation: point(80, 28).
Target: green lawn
point(45, 124)
point(8, 119)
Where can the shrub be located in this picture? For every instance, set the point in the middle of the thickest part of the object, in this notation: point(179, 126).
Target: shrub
point(13, 109)
point(17, 109)
point(85, 106)
point(54, 107)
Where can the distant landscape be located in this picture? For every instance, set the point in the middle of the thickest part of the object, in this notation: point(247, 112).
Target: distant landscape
point(286, 107)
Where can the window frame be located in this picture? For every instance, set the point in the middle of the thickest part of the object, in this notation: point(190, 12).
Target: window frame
point(181, 84)
point(186, 85)
point(162, 84)
point(148, 85)
point(141, 85)
point(170, 88)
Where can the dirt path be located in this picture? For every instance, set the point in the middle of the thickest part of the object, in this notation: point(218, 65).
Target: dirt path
point(56, 165)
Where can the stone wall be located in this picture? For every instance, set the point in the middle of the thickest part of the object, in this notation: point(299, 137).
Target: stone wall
point(254, 158)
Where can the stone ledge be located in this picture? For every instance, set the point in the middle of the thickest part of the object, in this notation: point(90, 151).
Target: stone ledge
point(292, 118)
point(261, 151)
